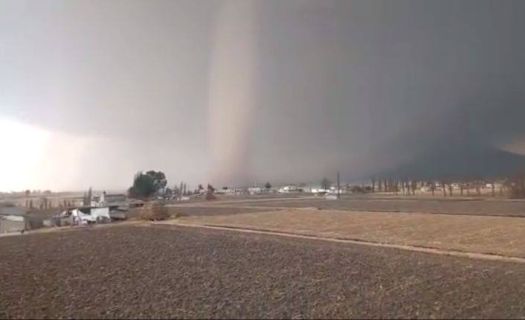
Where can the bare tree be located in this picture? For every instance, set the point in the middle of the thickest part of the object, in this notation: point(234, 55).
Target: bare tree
point(393, 186)
point(396, 188)
point(325, 183)
point(522, 186)
point(87, 198)
point(516, 185)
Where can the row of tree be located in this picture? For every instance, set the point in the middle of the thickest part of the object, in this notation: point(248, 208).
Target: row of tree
point(151, 183)
point(45, 204)
point(154, 183)
point(511, 186)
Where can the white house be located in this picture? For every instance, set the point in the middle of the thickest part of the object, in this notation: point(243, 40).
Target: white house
point(108, 199)
point(288, 189)
point(88, 215)
point(254, 190)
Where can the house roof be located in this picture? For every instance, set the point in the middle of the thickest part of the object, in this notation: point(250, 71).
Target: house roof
point(12, 211)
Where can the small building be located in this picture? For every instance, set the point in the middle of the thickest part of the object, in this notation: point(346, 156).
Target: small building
point(86, 215)
point(319, 191)
point(10, 223)
point(108, 199)
point(225, 190)
point(254, 190)
point(117, 203)
point(288, 189)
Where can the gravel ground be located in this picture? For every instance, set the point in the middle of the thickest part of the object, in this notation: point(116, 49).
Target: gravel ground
point(144, 272)
point(468, 207)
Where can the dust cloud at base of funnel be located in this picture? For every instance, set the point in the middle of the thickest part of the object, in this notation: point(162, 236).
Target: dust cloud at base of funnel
point(232, 91)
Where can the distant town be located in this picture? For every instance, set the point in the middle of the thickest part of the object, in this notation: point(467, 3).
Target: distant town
point(30, 210)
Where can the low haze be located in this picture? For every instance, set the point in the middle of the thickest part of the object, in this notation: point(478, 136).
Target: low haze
point(237, 92)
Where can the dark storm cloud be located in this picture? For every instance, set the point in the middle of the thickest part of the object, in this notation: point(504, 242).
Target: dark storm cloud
point(355, 86)
point(367, 85)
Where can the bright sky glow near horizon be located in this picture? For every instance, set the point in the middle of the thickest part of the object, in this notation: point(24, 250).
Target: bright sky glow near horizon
point(24, 150)
point(38, 159)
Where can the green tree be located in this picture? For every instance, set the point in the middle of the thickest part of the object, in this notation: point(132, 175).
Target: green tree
point(147, 184)
point(159, 179)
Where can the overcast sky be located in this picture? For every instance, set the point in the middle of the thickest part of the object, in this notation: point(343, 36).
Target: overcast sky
point(238, 92)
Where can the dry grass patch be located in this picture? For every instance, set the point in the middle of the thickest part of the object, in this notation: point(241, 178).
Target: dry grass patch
point(492, 235)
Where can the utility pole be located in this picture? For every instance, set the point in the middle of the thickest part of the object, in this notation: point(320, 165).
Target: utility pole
point(338, 186)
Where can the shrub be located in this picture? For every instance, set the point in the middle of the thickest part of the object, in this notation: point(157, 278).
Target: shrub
point(179, 214)
point(154, 211)
point(210, 196)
